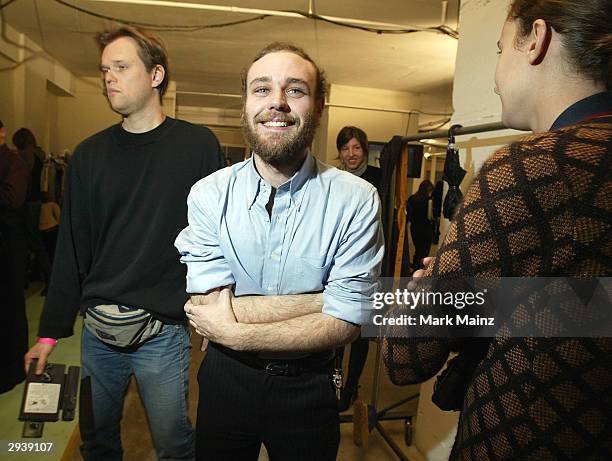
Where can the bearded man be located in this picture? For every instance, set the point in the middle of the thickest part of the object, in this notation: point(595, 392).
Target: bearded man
point(282, 252)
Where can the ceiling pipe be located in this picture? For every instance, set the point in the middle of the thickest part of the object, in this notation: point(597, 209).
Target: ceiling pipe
point(383, 109)
point(378, 109)
point(256, 11)
point(444, 14)
point(204, 93)
point(327, 104)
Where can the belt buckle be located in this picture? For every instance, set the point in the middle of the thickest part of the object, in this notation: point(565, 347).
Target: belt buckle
point(277, 369)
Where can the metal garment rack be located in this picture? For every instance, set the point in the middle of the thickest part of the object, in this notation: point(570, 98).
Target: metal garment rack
point(495, 126)
point(374, 416)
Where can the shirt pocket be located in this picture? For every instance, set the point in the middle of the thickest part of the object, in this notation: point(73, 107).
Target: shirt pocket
point(309, 273)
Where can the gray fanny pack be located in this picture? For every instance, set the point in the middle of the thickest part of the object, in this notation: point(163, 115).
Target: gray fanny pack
point(121, 326)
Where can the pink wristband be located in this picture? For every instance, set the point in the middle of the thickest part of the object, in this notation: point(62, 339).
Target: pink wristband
point(50, 341)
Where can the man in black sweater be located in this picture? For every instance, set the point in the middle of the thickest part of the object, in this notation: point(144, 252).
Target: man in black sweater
point(125, 204)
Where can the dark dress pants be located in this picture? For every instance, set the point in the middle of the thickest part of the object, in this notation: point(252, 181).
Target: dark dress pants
point(241, 407)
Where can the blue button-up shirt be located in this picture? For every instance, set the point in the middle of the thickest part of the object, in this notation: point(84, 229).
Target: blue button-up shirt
point(324, 234)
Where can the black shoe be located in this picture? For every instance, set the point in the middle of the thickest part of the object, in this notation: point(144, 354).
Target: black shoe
point(347, 396)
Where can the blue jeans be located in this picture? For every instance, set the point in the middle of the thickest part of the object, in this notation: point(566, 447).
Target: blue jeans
point(161, 368)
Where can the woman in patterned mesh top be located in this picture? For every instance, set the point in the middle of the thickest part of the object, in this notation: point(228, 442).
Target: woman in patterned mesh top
point(540, 207)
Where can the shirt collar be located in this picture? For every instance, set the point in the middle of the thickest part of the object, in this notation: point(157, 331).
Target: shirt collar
point(255, 184)
point(597, 104)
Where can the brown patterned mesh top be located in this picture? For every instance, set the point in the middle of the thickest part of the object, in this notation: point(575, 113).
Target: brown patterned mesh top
point(539, 207)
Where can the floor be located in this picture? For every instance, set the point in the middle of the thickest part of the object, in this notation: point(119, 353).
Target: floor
point(58, 433)
point(137, 442)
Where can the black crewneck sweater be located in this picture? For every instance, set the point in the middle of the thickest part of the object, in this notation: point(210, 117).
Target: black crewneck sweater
point(125, 203)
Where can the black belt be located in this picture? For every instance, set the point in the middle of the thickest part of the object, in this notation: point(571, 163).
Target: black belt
point(318, 362)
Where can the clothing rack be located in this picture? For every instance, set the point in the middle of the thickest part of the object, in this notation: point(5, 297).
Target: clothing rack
point(375, 416)
point(52, 175)
point(483, 128)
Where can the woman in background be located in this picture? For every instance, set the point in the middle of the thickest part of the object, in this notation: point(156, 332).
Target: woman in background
point(352, 145)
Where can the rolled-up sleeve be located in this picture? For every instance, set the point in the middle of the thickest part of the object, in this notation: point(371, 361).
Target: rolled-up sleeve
point(353, 276)
point(198, 244)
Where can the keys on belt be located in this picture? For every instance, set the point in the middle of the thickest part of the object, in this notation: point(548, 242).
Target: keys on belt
point(337, 376)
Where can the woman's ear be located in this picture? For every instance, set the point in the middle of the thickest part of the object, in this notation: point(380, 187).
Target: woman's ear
point(538, 41)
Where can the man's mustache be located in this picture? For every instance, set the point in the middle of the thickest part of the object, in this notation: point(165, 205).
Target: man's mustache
point(276, 116)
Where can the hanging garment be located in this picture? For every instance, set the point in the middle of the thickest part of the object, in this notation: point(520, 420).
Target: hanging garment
point(453, 175)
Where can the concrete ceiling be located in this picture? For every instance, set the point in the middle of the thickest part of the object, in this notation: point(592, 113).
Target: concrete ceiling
point(211, 60)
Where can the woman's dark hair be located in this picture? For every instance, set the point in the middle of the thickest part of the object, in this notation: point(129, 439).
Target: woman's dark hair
point(425, 188)
point(349, 132)
point(24, 138)
point(585, 27)
point(150, 49)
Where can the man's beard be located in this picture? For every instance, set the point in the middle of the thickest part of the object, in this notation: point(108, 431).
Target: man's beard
point(280, 149)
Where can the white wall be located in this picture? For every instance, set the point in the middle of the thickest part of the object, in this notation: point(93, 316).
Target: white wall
point(81, 115)
point(24, 88)
point(479, 28)
point(224, 123)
